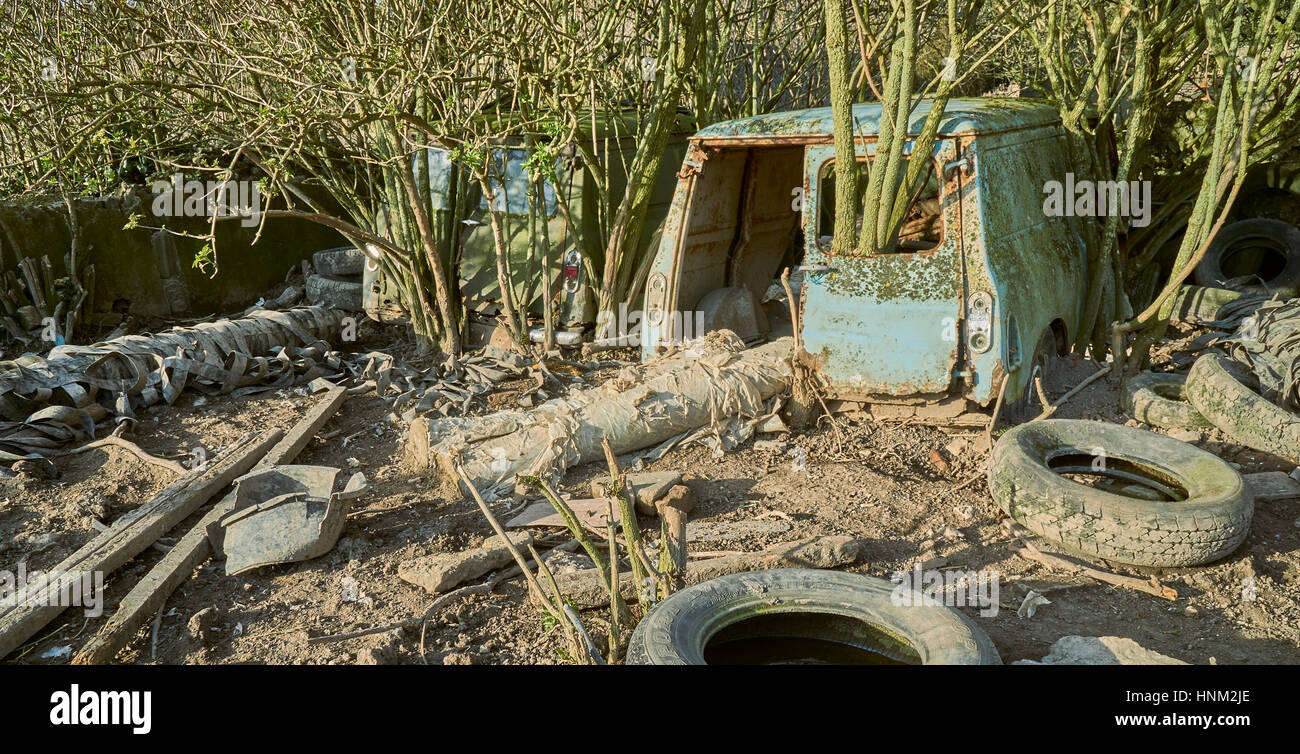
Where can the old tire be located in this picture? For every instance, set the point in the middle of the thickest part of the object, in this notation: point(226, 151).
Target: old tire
point(1209, 523)
point(334, 292)
point(1215, 387)
point(344, 261)
point(1262, 236)
point(676, 631)
point(1160, 400)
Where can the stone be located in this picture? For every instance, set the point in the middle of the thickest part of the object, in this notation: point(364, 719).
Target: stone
point(1101, 650)
point(734, 531)
point(445, 571)
point(644, 487)
point(680, 497)
point(204, 625)
point(1186, 435)
point(563, 562)
point(374, 656)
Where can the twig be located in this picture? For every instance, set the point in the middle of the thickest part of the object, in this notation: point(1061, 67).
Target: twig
point(581, 534)
point(573, 627)
point(594, 653)
point(132, 448)
point(1075, 390)
point(496, 526)
point(1029, 551)
point(153, 641)
point(641, 569)
point(997, 411)
point(444, 599)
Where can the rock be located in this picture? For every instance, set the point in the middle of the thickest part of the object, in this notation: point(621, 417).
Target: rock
point(644, 487)
point(1272, 486)
point(444, 571)
point(680, 497)
point(39, 542)
point(205, 625)
point(35, 468)
point(1186, 435)
point(1100, 650)
point(375, 656)
point(457, 658)
point(733, 531)
point(561, 561)
point(939, 462)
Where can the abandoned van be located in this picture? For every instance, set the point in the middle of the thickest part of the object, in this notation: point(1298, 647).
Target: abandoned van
point(982, 286)
point(573, 241)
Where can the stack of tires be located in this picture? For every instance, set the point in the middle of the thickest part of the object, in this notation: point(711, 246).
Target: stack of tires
point(337, 280)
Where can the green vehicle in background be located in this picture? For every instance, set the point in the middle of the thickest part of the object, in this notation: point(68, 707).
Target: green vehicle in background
point(539, 231)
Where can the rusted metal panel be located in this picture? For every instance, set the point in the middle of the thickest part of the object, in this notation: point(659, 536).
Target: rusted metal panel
point(884, 324)
point(975, 115)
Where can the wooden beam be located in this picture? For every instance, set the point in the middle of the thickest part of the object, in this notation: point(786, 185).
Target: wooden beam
point(129, 536)
point(149, 595)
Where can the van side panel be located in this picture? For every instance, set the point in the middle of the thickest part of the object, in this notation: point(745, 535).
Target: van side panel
point(1031, 263)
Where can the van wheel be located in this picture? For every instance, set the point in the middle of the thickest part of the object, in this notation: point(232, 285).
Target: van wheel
point(1220, 390)
point(1028, 406)
point(1120, 493)
point(1160, 400)
point(805, 616)
point(334, 292)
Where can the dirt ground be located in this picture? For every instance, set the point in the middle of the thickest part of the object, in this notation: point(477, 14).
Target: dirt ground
point(914, 492)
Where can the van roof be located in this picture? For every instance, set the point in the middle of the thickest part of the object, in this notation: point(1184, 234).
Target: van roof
point(972, 115)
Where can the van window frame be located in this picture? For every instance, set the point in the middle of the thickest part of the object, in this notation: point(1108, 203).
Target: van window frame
point(937, 164)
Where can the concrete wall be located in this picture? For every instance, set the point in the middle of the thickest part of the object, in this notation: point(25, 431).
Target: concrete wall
point(151, 274)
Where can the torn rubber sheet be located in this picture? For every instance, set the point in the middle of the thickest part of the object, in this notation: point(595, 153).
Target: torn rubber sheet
point(48, 402)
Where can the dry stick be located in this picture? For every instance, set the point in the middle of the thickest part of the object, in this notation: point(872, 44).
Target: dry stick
point(464, 591)
point(1075, 390)
point(127, 445)
point(573, 628)
point(1155, 589)
point(631, 532)
point(997, 411)
point(153, 643)
point(800, 377)
point(533, 586)
point(615, 630)
point(618, 604)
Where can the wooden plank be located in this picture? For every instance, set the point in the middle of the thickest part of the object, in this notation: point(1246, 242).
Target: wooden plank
point(129, 536)
point(149, 595)
point(1272, 486)
point(288, 449)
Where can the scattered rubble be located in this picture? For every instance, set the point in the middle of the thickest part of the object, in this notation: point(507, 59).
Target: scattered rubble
point(443, 572)
point(1100, 650)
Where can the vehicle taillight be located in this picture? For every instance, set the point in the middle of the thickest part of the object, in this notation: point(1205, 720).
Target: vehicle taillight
point(571, 261)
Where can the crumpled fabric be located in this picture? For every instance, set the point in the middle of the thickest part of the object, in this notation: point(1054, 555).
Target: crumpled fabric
point(1268, 344)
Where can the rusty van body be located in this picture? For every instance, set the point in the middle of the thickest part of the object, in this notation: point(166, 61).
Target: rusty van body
point(994, 284)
